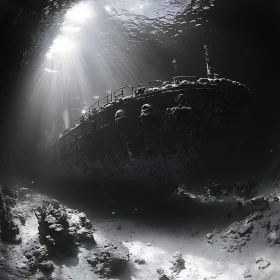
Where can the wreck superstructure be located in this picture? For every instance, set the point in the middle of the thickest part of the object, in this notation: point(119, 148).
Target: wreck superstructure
point(151, 135)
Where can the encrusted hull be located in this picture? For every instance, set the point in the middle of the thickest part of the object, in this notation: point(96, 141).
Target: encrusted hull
point(156, 160)
point(156, 148)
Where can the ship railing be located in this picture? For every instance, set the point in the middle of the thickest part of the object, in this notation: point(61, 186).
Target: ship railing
point(111, 97)
point(114, 95)
point(189, 78)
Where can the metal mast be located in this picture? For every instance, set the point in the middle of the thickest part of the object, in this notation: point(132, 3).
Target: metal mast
point(210, 69)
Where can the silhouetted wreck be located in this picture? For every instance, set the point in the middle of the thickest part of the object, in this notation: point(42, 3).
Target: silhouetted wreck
point(151, 135)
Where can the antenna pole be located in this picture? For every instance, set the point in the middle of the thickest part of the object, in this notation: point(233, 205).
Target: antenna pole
point(209, 67)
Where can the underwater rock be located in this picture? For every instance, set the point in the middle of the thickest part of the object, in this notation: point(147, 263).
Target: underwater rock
point(8, 192)
point(273, 237)
point(109, 260)
point(140, 261)
point(178, 263)
point(9, 230)
point(38, 251)
point(209, 237)
point(61, 229)
point(9, 202)
point(163, 275)
point(247, 274)
point(273, 234)
point(262, 263)
point(238, 233)
point(37, 256)
point(32, 263)
point(21, 216)
point(80, 226)
point(47, 266)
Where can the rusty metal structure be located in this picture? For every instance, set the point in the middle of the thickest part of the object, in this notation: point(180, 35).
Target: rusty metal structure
point(152, 135)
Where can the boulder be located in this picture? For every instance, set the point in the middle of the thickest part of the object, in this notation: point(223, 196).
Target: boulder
point(163, 275)
point(46, 267)
point(140, 261)
point(61, 229)
point(9, 230)
point(110, 260)
point(178, 263)
point(262, 263)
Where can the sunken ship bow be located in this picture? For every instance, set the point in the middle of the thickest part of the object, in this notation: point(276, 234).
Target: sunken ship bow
point(153, 135)
point(158, 135)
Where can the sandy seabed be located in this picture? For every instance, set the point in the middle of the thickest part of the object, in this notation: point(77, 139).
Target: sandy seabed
point(224, 238)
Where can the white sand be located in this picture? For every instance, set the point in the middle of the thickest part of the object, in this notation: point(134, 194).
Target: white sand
point(157, 239)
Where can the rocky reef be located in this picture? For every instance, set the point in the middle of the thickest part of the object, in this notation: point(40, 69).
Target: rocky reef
point(9, 229)
point(239, 233)
point(163, 275)
point(58, 241)
point(109, 260)
point(178, 264)
point(62, 229)
point(38, 258)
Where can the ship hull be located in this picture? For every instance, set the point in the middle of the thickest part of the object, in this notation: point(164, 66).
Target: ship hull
point(153, 159)
point(161, 162)
point(158, 154)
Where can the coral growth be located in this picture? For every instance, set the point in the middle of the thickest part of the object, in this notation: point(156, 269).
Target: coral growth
point(109, 260)
point(61, 229)
point(9, 230)
point(178, 263)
